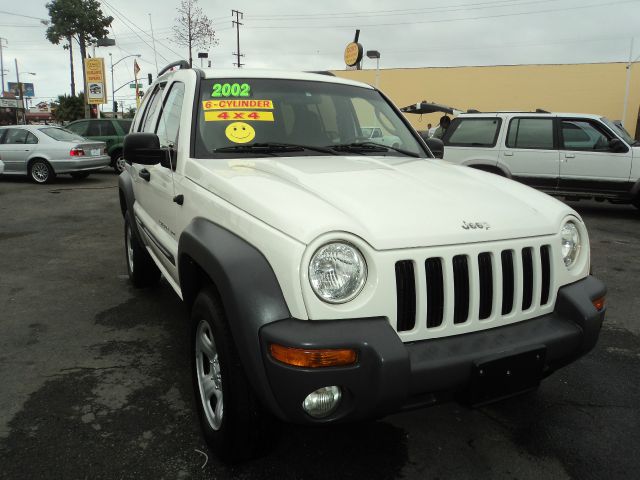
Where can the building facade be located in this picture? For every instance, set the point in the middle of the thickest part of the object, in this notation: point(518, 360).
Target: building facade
point(582, 88)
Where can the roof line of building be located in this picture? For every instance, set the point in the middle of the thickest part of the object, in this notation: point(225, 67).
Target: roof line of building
point(490, 66)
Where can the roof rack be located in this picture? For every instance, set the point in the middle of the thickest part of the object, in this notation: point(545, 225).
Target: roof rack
point(473, 110)
point(180, 63)
point(540, 110)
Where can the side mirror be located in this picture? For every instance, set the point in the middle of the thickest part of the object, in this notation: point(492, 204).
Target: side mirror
point(617, 146)
point(436, 146)
point(142, 148)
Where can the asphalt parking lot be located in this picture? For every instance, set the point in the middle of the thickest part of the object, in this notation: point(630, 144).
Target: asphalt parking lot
point(95, 381)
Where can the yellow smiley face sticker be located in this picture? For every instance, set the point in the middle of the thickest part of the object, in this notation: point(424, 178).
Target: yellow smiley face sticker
point(240, 132)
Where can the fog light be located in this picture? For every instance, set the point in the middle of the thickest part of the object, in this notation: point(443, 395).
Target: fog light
point(322, 402)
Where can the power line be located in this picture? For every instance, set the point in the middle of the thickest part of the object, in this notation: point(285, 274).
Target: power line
point(395, 12)
point(24, 16)
point(447, 20)
point(126, 22)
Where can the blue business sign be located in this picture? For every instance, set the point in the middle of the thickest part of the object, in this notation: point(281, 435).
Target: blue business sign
point(27, 89)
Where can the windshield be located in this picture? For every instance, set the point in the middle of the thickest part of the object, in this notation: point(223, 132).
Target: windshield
point(619, 130)
point(62, 135)
point(260, 117)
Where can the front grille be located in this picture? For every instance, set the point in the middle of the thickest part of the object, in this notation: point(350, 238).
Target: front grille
point(508, 284)
point(435, 292)
point(406, 291)
point(460, 289)
point(465, 289)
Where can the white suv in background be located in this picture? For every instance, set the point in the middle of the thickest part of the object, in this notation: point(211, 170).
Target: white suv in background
point(565, 154)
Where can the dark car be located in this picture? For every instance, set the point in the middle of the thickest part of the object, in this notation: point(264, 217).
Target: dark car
point(108, 130)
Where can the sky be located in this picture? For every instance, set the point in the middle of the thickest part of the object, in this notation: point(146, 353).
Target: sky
point(298, 35)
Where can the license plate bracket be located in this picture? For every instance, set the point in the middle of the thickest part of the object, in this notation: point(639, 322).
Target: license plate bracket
point(506, 375)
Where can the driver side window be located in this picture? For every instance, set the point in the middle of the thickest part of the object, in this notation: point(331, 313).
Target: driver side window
point(169, 122)
point(583, 135)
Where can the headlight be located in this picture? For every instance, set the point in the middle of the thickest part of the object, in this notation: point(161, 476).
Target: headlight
point(570, 237)
point(337, 272)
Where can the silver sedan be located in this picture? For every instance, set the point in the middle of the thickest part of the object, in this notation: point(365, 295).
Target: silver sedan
point(44, 151)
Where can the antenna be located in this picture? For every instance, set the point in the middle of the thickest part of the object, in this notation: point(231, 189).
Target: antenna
point(236, 23)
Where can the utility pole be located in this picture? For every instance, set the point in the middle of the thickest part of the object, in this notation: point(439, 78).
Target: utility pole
point(153, 39)
point(2, 63)
point(237, 24)
point(626, 90)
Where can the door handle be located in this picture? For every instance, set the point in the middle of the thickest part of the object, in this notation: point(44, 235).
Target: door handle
point(144, 173)
point(508, 154)
point(569, 155)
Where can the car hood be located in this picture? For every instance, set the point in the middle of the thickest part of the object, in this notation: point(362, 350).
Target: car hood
point(390, 202)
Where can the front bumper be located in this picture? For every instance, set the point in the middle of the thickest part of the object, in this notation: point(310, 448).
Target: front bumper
point(391, 375)
point(81, 164)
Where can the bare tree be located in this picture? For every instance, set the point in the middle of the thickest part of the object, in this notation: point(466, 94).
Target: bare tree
point(193, 28)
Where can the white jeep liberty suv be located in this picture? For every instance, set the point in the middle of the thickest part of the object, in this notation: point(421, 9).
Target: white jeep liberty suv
point(331, 278)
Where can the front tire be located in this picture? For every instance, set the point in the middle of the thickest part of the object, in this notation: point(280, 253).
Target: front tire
point(41, 172)
point(230, 416)
point(140, 267)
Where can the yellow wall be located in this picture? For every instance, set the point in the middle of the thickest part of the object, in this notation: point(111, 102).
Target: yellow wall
point(583, 88)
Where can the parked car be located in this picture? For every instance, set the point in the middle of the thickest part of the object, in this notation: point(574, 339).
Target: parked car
point(571, 155)
point(377, 135)
point(108, 130)
point(42, 152)
point(330, 279)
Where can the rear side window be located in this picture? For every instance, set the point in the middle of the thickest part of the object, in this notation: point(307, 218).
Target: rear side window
point(16, 136)
point(80, 128)
point(531, 133)
point(473, 132)
point(125, 125)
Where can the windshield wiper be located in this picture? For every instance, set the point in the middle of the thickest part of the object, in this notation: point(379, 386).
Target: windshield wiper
point(272, 147)
point(371, 147)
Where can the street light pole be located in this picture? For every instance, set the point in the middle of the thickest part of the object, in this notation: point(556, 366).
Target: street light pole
point(2, 63)
point(375, 54)
point(626, 91)
point(24, 113)
point(113, 92)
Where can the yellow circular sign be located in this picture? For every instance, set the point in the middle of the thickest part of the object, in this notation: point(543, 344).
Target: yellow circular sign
point(352, 54)
point(240, 132)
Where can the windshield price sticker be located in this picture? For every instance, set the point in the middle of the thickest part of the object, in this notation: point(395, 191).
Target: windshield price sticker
point(229, 104)
point(238, 115)
point(231, 90)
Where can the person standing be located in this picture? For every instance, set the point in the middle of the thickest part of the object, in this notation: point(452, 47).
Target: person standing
point(445, 121)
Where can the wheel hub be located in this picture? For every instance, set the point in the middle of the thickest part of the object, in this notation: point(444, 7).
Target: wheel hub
point(209, 375)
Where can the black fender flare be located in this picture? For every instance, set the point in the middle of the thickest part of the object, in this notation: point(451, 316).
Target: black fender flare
point(248, 288)
point(127, 199)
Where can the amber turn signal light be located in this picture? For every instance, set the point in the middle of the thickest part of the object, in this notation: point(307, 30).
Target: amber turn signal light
point(313, 358)
point(599, 303)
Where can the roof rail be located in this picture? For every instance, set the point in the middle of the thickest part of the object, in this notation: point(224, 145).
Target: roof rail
point(473, 110)
point(180, 63)
point(540, 110)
